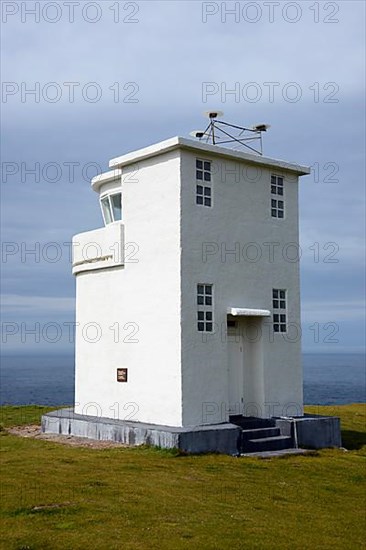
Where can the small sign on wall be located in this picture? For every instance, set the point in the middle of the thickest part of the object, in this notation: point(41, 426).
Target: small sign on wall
point(122, 375)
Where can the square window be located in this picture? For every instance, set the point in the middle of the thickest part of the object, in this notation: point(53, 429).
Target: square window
point(280, 204)
point(208, 289)
point(199, 164)
point(276, 317)
point(200, 300)
point(200, 289)
point(203, 195)
point(208, 301)
point(208, 315)
point(279, 298)
point(283, 318)
point(280, 214)
point(199, 175)
point(283, 328)
point(209, 327)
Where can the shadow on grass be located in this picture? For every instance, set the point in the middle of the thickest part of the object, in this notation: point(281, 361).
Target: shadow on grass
point(353, 440)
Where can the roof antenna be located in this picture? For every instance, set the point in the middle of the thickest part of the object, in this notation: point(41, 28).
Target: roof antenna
point(238, 136)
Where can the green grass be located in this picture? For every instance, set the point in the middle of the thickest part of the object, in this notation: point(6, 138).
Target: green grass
point(59, 497)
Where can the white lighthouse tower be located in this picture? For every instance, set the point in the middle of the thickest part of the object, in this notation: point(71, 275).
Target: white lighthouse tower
point(188, 303)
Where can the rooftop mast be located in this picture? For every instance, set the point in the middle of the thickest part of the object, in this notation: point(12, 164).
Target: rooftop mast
point(219, 132)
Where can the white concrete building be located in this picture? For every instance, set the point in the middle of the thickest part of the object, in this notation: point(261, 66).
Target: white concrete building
point(188, 300)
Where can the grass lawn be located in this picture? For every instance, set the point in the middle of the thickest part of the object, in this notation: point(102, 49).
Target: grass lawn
point(61, 497)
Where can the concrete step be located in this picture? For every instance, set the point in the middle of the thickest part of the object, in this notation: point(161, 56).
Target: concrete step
point(259, 433)
point(252, 422)
point(274, 454)
point(275, 443)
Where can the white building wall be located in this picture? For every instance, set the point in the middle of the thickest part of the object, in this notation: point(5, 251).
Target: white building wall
point(176, 375)
point(241, 214)
point(142, 299)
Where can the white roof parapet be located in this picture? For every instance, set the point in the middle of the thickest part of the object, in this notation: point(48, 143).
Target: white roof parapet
point(248, 312)
point(105, 177)
point(184, 143)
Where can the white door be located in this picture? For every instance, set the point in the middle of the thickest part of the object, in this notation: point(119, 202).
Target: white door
point(235, 372)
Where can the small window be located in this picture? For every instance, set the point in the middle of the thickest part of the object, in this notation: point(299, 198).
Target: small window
point(204, 308)
point(203, 186)
point(277, 208)
point(277, 204)
point(203, 170)
point(203, 195)
point(279, 310)
point(204, 295)
point(111, 207)
point(276, 185)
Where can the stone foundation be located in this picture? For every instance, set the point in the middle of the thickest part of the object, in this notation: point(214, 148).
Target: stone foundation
point(309, 431)
point(219, 438)
point(312, 431)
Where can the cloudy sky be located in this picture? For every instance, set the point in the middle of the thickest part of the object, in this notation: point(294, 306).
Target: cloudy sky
point(84, 82)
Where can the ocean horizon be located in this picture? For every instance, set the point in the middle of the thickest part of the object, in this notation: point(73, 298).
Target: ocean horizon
point(329, 379)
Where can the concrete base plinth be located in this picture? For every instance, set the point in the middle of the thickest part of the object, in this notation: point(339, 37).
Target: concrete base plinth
point(309, 431)
point(312, 431)
point(219, 438)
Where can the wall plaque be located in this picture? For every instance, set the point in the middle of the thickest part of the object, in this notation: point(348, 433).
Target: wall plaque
point(122, 375)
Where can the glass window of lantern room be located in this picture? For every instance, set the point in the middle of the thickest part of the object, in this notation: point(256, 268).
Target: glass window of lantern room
point(112, 208)
point(116, 201)
point(106, 209)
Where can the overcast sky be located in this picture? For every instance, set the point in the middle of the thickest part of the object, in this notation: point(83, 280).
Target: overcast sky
point(110, 77)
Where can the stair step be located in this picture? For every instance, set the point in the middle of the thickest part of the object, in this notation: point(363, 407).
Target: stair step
point(258, 433)
point(275, 443)
point(274, 454)
point(251, 422)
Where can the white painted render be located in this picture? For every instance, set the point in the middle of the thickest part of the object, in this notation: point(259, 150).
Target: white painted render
point(141, 300)
point(178, 376)
point(179, 143)
point(99, 249)
point(240, 215)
